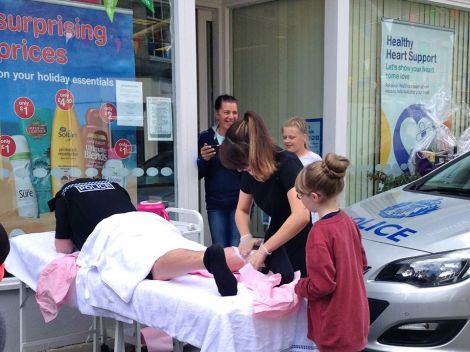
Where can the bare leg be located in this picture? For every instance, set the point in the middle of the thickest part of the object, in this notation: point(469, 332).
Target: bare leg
point(176, 263)
point(234, 261)
point(218, 261)
point(183, 261)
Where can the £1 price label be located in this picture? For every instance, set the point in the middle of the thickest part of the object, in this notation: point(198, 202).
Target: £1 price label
point(64, 99)
point(24, 108)
point(123, 148)
point(8, 146)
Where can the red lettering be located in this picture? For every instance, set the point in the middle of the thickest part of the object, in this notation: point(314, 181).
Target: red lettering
point(17, 26)
point(39, 27)
point(48, 55)
point(61, 56)
point(26, 21)
point(32, 56)
point(50, 26)
point(3, 23)
point(4, 51)
point(14, 51)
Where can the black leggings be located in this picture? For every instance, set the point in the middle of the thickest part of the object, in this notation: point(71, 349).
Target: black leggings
point(278, 262)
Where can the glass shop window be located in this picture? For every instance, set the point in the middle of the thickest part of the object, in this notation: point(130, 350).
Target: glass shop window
point(85, 93)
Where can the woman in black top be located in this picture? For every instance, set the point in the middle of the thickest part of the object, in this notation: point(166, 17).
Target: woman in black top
point(268, 180)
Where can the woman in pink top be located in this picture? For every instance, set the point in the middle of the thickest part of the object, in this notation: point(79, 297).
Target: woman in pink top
point(338, 312)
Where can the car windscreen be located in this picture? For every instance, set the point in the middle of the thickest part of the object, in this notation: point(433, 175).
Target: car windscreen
point(452, 179)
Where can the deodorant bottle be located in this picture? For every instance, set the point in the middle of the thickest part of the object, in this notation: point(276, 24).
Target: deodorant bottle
point(26, 200)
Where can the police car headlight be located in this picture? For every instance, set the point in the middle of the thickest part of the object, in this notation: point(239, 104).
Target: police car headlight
point(429, 270)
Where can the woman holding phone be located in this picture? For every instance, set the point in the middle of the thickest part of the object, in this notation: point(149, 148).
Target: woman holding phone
point(222, 185)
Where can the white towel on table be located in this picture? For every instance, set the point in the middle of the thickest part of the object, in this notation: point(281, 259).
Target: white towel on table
point(124, 247)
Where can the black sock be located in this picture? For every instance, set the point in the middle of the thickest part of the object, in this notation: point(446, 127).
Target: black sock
point(215, 263)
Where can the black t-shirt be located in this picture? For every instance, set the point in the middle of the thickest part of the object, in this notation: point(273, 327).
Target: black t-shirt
point(81, 204)
point(271, 197)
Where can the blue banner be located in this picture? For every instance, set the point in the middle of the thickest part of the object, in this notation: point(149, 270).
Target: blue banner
point(58, 69)
point(416, 87)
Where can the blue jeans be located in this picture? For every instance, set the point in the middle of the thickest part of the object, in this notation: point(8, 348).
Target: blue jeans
point(223, 228)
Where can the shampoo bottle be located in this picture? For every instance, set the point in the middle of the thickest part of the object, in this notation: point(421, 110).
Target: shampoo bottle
point(67, 161)
point(37, 131)
point(95, 138)
point(26, 201)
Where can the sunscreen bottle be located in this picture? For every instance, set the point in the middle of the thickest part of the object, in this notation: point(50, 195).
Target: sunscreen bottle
point(37, 131)
point(67, 161)
point(95, 142)
point(26, 201)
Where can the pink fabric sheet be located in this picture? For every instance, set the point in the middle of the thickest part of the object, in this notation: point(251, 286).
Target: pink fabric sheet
point(53, 289)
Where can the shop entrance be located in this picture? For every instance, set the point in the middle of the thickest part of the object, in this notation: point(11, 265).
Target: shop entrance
point(205, 73)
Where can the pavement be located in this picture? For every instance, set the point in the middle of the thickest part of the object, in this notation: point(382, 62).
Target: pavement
point(88, 347)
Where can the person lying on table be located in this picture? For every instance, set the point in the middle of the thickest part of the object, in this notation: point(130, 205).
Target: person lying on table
point(86, 207)
point(80, 205)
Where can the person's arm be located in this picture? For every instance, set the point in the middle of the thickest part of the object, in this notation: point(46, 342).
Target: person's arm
point(297, 220)
point(63, 241)
point(321, 280)
point(242, 219)
point(202, 166)
point(64, 246)
point(205, 154)
point(300, 216)
point(242, 213)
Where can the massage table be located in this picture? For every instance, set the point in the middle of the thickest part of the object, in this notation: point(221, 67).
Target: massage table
point(188, 308)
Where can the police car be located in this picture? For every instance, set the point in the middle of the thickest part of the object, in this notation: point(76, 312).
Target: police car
point(417, 240)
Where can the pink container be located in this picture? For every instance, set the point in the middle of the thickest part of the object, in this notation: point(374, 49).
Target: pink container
point(156, 207)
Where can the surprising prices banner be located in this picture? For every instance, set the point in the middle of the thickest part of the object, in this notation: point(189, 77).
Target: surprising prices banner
point(416, 70)
point(59, 64)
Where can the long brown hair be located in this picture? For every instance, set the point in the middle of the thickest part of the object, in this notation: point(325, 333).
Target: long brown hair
point(248, 144)
point(325, 177)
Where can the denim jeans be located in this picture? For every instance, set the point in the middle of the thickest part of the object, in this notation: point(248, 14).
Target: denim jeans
point(223, 228)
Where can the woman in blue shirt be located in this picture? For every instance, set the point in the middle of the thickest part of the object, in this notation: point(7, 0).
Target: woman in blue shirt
point(221, 184)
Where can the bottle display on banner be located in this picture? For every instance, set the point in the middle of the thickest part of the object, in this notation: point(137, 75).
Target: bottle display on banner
point(20, 161)
point(67, 160)
point(95, 138)
point(37, 131)
point(58, 115)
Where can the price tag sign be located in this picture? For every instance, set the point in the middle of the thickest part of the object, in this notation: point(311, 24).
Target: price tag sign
point(123, 148)
point(64, 99)
point(24, 108)
point(108, 113)
point(8, 146)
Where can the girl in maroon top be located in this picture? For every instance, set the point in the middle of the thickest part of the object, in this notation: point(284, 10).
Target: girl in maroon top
point(338, 312)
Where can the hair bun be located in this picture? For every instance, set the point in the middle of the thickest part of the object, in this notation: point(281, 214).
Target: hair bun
point(330, 173)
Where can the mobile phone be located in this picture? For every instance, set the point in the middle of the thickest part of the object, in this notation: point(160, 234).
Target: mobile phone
point(216, 147)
